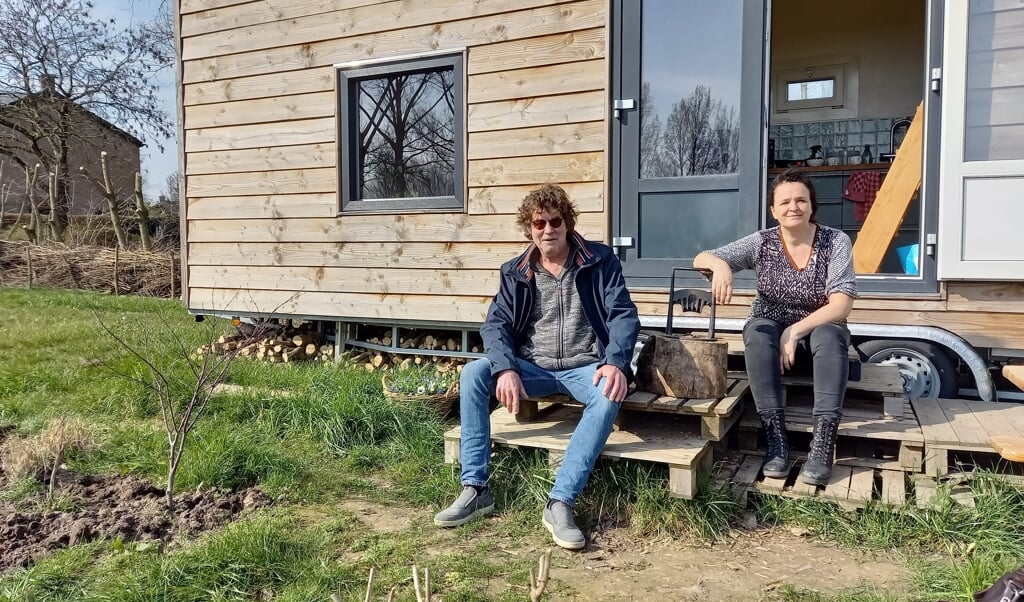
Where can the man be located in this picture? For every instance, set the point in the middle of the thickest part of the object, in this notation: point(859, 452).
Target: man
point(562, 322)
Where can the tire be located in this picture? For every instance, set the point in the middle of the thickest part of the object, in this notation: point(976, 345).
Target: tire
point(927, 369)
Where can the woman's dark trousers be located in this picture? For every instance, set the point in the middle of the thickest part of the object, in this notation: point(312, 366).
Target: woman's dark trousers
point(827, 347)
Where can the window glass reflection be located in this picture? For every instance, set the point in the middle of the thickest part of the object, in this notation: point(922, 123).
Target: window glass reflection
point(690, 95)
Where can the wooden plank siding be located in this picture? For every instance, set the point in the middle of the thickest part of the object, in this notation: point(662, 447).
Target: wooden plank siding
point(994, 326)
point(260, 157)
point(261, 179)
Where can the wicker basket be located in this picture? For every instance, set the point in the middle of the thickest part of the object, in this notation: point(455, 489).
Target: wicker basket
point(442, 402)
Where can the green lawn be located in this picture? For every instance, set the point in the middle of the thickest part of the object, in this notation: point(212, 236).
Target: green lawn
point(336, 438)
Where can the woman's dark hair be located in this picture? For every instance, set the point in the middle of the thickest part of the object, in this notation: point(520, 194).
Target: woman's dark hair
point(796, 176)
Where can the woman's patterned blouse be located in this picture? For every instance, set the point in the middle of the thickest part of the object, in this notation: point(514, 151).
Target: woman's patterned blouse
point(786, 294)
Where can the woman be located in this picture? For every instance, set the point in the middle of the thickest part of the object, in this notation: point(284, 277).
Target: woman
point(805, 290)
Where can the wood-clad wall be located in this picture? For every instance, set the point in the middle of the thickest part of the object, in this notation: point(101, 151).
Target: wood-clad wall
point(260, 150)
point(985, 314)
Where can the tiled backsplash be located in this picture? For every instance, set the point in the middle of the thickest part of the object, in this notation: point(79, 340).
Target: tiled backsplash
point(794, 141)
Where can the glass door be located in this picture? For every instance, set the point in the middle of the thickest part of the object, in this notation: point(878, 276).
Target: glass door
point(688, 129)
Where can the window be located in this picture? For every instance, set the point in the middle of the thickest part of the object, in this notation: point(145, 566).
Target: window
point(811, 88)
point(401, 134)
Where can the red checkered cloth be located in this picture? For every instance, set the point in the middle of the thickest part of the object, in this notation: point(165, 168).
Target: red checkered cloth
point(862, 188)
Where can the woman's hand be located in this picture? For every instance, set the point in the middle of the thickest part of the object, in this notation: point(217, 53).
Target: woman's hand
point(721, 283)
point(787, 349)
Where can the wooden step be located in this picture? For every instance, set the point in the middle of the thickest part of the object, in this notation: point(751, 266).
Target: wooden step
point(1015, 374)
point(850, 487)
point(958, 425)
point(717, 416)
point(800, 420)
point(874, 377)
point(736, 348)
point(650, 438)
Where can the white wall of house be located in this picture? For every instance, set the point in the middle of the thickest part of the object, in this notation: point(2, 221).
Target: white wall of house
point(882, 40)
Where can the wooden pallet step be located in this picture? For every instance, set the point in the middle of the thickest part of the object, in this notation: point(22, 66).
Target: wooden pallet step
point(850, 426)
point(737, 348)
point(867, 403)
point(873, 377)
point(652, 402)
point(850, 487)
point(956, 430)
point(649, 438)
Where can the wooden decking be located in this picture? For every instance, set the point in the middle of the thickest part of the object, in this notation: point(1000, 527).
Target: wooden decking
point(716, 416)
point(890, 450)
point(852, 485)
point(956, 425)
point(650, 438)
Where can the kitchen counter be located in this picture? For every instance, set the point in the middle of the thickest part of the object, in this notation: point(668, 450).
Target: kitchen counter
point(835, 168)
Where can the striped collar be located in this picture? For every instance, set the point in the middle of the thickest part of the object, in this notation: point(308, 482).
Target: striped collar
point(578, 253)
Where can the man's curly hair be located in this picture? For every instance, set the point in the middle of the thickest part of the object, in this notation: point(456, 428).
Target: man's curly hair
point(551, 198)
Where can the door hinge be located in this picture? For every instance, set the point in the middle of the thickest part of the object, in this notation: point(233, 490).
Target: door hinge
point(622, 104)
point(930, 240)
point(620, 244)
point(936, 79)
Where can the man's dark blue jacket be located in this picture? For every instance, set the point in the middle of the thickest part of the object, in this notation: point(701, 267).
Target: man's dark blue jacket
point(603, 294)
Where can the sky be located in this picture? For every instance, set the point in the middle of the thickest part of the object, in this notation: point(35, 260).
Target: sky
point(156, 165)
point(680, 53)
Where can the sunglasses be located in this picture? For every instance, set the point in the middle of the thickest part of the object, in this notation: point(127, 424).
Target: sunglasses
point(540, 224)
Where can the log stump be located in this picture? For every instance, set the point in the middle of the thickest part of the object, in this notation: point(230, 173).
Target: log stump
point(688, 366)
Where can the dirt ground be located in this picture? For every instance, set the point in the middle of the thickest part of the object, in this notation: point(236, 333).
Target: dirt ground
point(111, 507)
point(615, 566)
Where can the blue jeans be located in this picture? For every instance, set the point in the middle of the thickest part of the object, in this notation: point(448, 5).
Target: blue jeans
point(477, 386)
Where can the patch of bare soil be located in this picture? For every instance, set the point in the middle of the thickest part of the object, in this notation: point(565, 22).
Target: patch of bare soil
point(617, 566)
point(111, 507)
point(751, 566)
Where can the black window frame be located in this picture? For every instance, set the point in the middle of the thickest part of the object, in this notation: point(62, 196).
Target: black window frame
point(347, 78)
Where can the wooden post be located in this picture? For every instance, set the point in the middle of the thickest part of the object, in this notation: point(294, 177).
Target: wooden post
point(143, 214)
point(28, 253)
point(117, 258)
point(172, 273)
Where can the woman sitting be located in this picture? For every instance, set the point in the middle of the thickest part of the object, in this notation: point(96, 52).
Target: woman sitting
point(805, 290)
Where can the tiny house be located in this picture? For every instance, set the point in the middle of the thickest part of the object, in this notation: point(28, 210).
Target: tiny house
point(360, 161)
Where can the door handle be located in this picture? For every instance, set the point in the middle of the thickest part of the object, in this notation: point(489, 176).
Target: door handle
point(622, 104)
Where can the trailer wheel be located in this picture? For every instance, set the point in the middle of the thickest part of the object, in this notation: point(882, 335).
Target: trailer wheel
point(927, 370)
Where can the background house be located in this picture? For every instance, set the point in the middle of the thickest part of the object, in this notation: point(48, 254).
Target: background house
point(93, 135)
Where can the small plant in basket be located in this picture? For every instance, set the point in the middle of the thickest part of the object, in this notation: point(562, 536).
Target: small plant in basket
point(422, 383)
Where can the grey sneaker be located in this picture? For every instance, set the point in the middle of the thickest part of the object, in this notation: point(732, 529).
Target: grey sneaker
point(470, 505)
point(559, 521)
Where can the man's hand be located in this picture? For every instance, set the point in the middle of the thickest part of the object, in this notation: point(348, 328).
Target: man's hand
point(510, 390)
point(614, 382)
point(787, 348)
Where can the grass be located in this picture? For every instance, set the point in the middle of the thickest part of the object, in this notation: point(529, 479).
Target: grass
point(336, 436)
point(953, 550)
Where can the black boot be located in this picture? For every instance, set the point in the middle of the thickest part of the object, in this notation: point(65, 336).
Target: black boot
point(776, 463)
point(818, 467)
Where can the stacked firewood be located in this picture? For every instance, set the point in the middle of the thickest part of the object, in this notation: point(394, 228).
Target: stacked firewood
point(375, 360)
point(286, 343)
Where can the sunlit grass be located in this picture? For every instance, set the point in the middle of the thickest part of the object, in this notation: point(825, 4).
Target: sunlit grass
point(334, 435)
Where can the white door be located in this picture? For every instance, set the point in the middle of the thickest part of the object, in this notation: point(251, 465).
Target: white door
point(981, 207)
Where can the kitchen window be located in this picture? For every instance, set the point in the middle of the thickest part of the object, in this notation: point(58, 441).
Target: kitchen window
point(813, 87)
point(401, 131)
